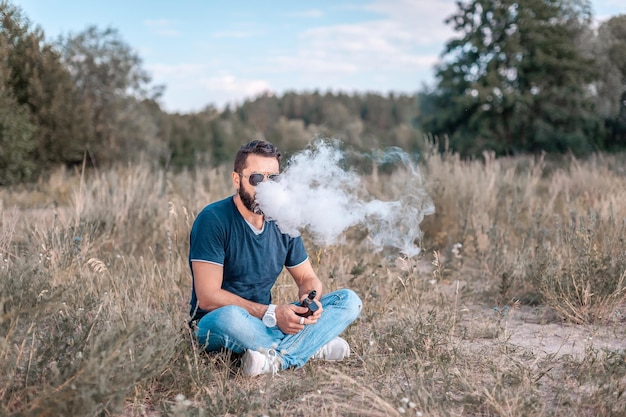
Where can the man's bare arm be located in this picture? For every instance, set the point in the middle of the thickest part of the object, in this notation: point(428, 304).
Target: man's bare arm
point(306, 280)
point(208, 285)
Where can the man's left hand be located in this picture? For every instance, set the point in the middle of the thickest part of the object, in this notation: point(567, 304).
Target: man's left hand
point(291, 323)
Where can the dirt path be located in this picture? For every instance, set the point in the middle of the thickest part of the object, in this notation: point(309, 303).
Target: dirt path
point(540, 333)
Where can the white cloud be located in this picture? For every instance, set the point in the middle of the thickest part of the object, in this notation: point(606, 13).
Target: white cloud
point(192, 87)
point(236, 86)
point(349, 49)
point(403, 39)
point(424, 19)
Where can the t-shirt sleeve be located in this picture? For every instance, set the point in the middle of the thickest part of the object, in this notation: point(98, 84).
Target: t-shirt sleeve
point(296, 253)
point(207, 240)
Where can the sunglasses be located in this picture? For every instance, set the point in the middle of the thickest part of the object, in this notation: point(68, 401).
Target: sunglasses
point(257, 178)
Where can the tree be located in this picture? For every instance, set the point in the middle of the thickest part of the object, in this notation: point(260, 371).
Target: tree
point(37, 87)
point(113, 85)
point(190, 137)
point(514, 81)
point(608, 50)
point(16, 140)
point(16, 130)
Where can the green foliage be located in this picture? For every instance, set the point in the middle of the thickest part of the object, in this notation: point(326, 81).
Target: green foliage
point(113, 86)
point(291, 121)
point(16, 141)
point(514, 81)
point(188, 138)
point(363, 121)
point(36, 79)
point(608, 50)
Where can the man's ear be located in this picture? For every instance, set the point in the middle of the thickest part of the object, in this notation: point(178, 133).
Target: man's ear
point(236, 179)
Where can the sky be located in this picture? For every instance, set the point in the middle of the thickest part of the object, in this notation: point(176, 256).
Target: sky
point(213, 53)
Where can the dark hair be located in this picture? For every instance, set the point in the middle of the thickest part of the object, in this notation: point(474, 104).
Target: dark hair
point(256, 147)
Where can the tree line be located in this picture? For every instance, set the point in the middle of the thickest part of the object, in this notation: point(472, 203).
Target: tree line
point(522, 76)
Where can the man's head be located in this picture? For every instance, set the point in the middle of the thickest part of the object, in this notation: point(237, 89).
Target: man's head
point(254, 163)
point(256, 147)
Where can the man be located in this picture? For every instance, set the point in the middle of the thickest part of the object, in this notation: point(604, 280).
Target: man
point(235, 257)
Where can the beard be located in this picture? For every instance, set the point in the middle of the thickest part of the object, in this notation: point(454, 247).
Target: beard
point(248, 201)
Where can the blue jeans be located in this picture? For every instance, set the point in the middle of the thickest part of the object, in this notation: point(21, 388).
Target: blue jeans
point(233, 328)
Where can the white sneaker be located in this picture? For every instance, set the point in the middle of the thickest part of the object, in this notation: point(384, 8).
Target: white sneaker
point(258, 363)
point(335, 350)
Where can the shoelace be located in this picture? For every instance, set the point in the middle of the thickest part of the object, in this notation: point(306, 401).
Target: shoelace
point(321, 353)
point(272, 357)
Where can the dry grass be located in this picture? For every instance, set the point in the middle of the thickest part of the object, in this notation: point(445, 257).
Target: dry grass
point(95, 285)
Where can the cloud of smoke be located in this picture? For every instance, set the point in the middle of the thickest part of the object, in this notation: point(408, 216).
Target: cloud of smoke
point(316, 192)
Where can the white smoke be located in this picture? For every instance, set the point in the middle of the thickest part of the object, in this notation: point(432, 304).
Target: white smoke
point(316, 192)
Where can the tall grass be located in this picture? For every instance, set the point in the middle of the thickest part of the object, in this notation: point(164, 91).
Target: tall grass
point(95, 285)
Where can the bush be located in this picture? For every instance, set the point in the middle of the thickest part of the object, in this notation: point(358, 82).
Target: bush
point(16, 141)
point(582, 275)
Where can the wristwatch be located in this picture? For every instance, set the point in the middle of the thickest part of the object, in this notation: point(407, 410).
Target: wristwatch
point(269, 318)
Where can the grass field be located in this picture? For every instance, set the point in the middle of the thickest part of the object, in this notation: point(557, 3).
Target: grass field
point(515, 307)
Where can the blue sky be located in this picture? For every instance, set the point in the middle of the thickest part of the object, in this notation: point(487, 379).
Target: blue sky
point(209, 52)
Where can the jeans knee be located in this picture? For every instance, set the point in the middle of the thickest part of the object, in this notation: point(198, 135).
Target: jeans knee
point(223, 318)
point(216, 328)
point(352, 302)
point(229, 316)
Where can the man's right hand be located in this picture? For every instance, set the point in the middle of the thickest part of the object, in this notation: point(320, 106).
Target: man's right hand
point(288, 321)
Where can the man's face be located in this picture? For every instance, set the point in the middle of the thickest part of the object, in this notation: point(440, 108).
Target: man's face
point(255, 164)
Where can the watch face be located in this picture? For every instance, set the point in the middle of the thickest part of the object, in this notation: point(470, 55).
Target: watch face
point(269, 321)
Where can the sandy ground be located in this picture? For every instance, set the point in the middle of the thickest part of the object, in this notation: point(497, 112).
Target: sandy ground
point(535, 329)
point(540, 333)
point(563, 338)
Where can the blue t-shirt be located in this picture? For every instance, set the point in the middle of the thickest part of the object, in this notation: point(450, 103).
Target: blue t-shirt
point(252, 262)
